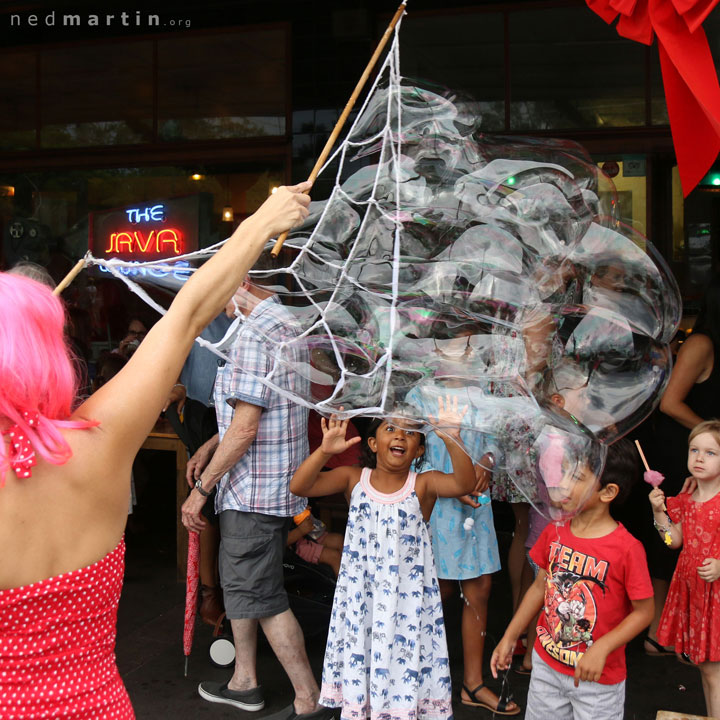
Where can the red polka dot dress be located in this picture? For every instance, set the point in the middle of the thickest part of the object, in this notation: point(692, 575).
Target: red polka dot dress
point(57, 646)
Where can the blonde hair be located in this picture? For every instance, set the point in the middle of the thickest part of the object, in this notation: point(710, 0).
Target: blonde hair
point(709, 426)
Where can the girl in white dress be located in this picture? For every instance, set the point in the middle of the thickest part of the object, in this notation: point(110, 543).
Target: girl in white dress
point(386, 656)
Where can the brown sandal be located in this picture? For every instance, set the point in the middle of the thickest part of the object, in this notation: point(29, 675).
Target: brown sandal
point(502, 703)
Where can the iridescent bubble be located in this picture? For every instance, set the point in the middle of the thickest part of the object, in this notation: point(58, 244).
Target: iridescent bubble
point(446, 261)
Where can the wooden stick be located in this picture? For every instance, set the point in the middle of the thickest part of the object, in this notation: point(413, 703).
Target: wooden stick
point(645, 463)
point(346, 112)
point(642, 455)
point(79, 265)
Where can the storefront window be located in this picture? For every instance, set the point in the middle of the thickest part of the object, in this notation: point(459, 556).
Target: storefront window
point(571, 70)
point(436, 48)
point(17, 100)
point(188, 87)
point(96, 95)
point(222, 86)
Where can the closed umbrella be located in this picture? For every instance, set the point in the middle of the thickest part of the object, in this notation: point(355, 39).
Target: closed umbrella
point(191, 593)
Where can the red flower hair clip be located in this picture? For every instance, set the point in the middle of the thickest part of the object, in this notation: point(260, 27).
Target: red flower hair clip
point(20, 452)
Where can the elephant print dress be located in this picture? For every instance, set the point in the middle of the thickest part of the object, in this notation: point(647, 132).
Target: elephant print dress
point(386, 656)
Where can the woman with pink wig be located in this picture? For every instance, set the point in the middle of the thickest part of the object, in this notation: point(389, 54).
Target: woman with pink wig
point(65, 478)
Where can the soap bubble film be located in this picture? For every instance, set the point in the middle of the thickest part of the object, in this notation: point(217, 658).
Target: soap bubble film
point(446, 261)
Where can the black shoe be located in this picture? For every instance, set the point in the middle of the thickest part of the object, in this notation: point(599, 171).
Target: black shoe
point(251, 700)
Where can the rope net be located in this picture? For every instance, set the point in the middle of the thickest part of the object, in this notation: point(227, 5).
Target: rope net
point(446, 262)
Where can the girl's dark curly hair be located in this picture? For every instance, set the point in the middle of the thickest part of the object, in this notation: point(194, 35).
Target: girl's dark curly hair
point(368, 459)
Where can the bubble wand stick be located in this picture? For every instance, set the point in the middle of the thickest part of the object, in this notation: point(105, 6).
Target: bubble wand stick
point(79, 265)
point(344, 116)
point(651, 477)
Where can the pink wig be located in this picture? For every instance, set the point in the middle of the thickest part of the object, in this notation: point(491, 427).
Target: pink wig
point(36, 372)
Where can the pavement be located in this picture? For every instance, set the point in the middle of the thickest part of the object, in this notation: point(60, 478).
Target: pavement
point(151, 661)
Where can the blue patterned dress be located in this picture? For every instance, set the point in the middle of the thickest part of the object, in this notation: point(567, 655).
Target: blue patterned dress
point(386, 656)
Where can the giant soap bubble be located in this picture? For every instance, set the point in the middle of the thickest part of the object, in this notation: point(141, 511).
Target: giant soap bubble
point(445, 261)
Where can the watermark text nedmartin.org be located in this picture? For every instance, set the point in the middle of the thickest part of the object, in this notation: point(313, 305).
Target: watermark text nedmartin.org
point(136, 19)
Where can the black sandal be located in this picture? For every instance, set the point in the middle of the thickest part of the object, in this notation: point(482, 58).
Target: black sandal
point(502, 704)
point(684, 658)
point(659, 650)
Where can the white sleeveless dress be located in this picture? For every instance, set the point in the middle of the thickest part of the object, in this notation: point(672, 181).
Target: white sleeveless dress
point(386, 656)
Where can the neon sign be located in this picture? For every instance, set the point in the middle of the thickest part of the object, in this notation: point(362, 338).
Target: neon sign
point(151, 231)
point(156, 213)
point(135, 242)
point(179, 273)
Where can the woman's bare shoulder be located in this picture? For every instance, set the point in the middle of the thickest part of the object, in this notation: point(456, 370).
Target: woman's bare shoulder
point(697, 342)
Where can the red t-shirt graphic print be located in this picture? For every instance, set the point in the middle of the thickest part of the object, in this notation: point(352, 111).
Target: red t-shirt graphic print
point(589, 589)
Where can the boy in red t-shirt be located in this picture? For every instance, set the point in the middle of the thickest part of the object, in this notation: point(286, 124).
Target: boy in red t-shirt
point(595, 590)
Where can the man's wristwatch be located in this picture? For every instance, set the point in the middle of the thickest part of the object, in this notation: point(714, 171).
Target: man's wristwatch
point(199, 488)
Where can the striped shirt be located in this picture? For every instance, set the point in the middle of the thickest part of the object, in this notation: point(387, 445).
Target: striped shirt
point(260, 480)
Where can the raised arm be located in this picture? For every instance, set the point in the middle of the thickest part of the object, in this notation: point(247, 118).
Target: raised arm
point(128, 406)
point(308, 480)
point(462, 479)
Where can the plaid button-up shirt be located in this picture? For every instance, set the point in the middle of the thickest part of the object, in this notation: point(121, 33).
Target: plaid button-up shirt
point(260, 480)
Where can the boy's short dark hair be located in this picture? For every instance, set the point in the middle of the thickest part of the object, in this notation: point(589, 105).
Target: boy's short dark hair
point(368, 459)
point(622, 468)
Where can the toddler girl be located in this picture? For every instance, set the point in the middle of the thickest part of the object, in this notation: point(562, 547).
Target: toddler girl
point(691, 617)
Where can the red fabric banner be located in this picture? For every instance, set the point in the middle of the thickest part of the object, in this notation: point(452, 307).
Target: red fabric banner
point(691, 85)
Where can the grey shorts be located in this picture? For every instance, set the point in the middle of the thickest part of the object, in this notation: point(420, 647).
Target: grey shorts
point(554, 695)
point(251, 564)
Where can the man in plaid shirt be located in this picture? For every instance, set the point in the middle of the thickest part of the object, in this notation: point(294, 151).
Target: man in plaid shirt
point(263, 437)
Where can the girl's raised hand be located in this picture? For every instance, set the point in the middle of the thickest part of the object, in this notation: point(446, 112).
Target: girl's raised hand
point(334, 442)
point(657, 499)
point(448, 417)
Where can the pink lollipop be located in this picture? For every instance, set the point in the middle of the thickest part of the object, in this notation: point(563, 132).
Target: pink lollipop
point(651, 477)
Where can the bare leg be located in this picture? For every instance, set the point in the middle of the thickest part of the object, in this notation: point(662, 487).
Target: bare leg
point(331, 557)
point(474, 624)
point(334, 541)
point(710, 672)
point(660, 589)
point(516, 554)
point(447, 588)
point(286, 639)
point(245, 638)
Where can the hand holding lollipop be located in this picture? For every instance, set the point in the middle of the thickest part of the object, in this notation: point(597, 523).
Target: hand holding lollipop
point(654, 478)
